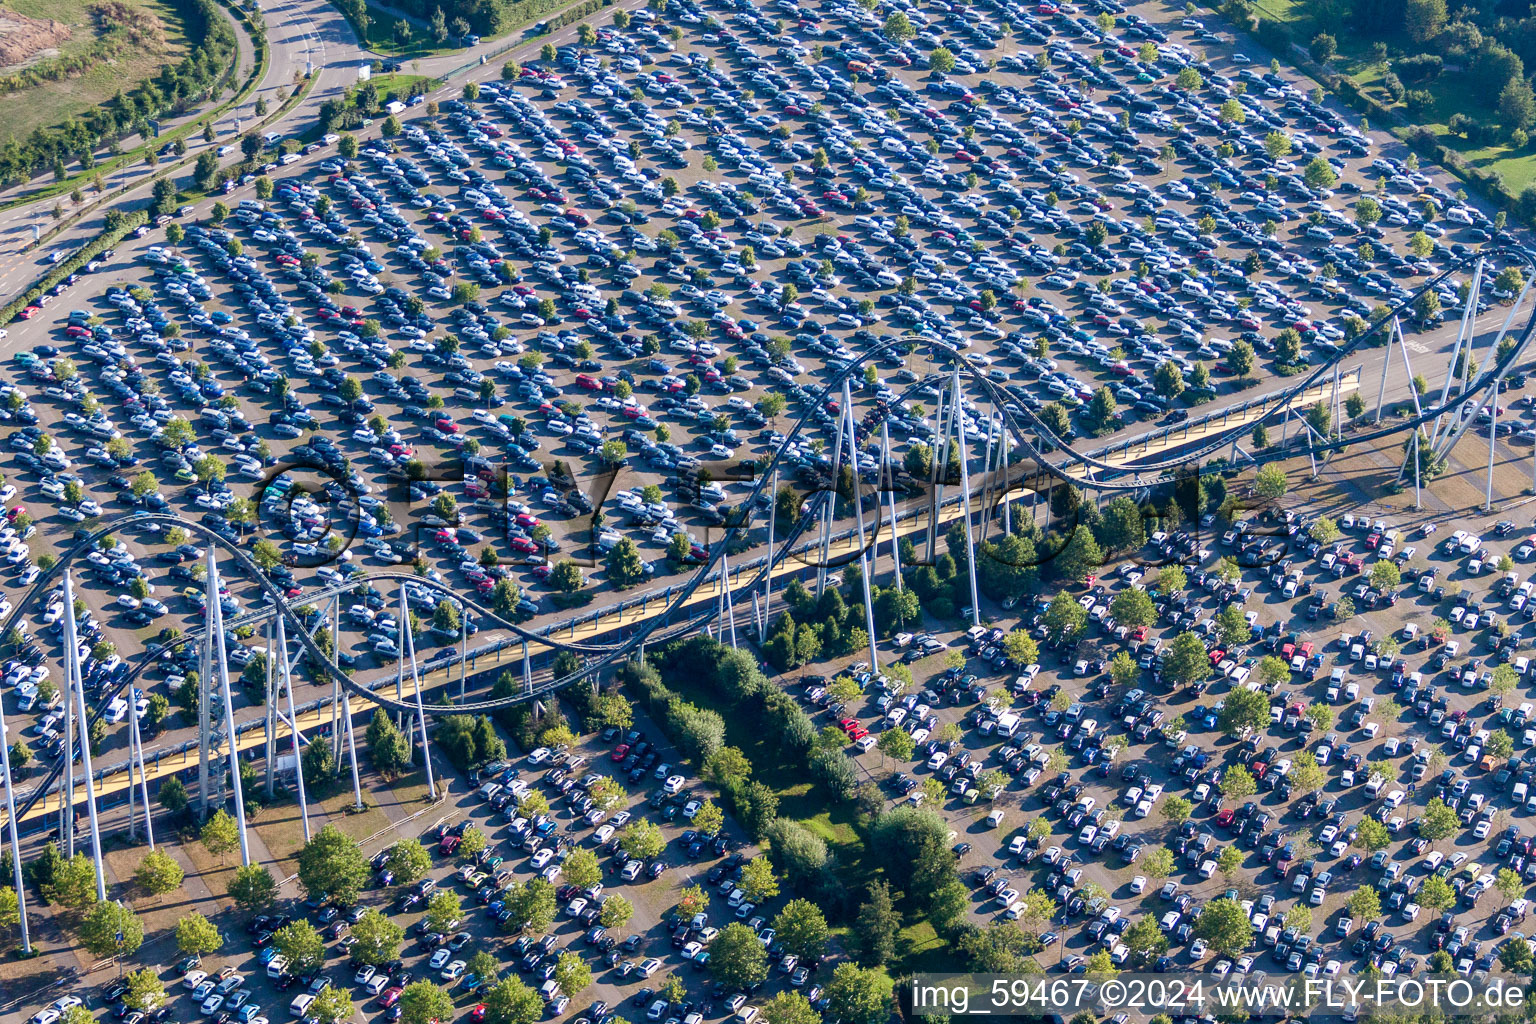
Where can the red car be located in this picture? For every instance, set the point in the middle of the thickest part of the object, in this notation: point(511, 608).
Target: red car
point(619, 752)
point(390, 996)
point(449, 843)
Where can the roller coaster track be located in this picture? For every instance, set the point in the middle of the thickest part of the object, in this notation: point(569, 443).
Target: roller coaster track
point(659, 628)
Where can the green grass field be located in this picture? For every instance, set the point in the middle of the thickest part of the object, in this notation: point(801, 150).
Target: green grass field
point(918, 947)
point(53, 102)
point(1452, 92)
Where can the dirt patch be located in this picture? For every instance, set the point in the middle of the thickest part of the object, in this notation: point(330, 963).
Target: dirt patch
point(24, 40)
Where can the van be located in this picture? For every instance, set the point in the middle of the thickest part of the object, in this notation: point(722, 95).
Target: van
point(300, 1004)
point(270, 138)
point(276, 966)
point(1374, 787)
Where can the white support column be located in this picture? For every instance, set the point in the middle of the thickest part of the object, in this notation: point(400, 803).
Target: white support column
point(10, 819)
point(76, 687)
point(335, 739)
point(293, 726)
point(205, 782)
point(1463, 332)
point(730, 608)
point(221, 660)
point(829, 513)
point(1493, 438)
point(271, 721)
point(409, 648)
point(67, 791)
point(1007, 481)
point(773, 515)
point(937, 468)
point(866, 564)
point(1394, 334)
point(889, 472)
point(136, 756)
point(965, 494)
point(357, 786)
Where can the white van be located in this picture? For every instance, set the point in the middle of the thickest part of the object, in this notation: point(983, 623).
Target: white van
point(1374, 787)
point(300, 1003)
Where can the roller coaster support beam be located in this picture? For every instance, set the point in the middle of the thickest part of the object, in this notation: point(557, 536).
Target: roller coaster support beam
point(136, 757)
point(1493, 437)
point(335, 738)
point(346, 715)
point(938, 467)
point(1463, 338)
point(205, 781)
point(221, 658)
point(965, 494)
point(292, 722)
point(773, 518)
point(865, 564)
point(10, 818)
point(67, 793)
point(408, 649)
point(271, 721)
point(830, 511)
point(1394, 334)
point(463, 652)
point(1444, 451)
point(76, 686)
point(1418, 411)
point(889, 471)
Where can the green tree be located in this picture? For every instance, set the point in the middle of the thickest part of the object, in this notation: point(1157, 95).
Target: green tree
point(790, 1008)
point(511, 1002)
point(1238, 782)
point(111, 929)
point(1270, 482)
point(196, 935)
point(332, 865)
point(581, 869)
point(1244, 710)
point(220, 834)
point(252, 888)
point(857, 995)
point(877, 926)
point(378, 938)
point(302, 945)
point(409, 860)
point(1225, 927)
point(1186, 662)
point(801, 928)
point(158, 873)
point(425, 1002)
point(736, 959)
point(145, 993)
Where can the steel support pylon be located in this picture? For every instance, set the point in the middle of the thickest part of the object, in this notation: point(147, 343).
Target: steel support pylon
point(76, 689)
point(10, 820)
point(221, 660)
